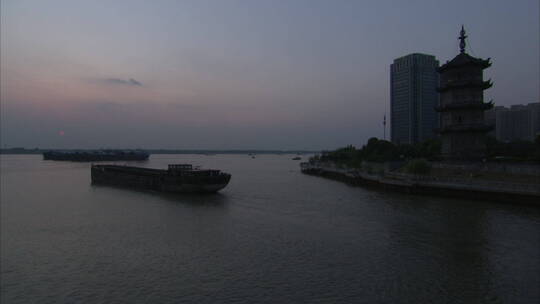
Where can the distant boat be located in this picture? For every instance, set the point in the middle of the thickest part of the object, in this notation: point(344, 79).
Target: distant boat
point(179, 178)
point(96, 155)
point(297, 158)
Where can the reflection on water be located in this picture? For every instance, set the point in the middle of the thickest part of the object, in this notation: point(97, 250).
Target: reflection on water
point(272, 235)
point(195, 199)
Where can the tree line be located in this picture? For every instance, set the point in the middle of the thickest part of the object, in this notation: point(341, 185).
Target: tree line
point(377, 150)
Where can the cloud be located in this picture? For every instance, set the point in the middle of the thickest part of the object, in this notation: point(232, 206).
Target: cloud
point(129, 82)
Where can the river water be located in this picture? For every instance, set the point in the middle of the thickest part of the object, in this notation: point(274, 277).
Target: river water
point(272, 235)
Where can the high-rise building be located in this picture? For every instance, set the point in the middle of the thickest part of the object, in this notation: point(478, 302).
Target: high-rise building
point(413, 98)
point(535, 119)
point(518, 122)
point(490, 118)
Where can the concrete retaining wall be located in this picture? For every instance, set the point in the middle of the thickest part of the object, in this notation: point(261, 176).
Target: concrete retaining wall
point(447, 186)
point(532, 169)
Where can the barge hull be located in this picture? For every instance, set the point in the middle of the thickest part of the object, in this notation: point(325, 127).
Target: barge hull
point(157, 180)
point(94, 156)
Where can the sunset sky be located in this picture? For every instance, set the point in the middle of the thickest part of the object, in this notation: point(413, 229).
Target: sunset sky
point(237, 74)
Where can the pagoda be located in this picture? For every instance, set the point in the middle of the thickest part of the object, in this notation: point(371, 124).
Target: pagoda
point(461, 105)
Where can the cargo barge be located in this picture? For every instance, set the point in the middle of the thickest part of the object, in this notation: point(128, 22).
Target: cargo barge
point(97, 155)
point(179, 178)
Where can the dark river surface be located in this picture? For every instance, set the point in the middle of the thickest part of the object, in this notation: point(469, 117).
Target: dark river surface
point(272, 235)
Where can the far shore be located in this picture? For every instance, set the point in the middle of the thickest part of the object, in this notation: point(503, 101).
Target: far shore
point(164, 151)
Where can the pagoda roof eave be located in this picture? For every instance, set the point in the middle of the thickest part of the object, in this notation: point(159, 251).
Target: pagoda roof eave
point(469, 128)
point(465, 106)
point(463, 60)
point(483, 85)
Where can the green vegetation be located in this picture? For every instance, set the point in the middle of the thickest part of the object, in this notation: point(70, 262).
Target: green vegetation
point(377, 150)
point(516, 151)
point(418, 167)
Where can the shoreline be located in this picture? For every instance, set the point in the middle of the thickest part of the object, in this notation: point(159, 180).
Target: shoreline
point(499, 191)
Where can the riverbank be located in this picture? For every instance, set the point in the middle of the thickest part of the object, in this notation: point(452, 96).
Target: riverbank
point(465, 186)
point(25, 151)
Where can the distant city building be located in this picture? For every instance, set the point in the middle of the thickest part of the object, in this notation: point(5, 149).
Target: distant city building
point(463, 129)
point(490, 117)
point(413, 98)
point(535, 119)
point(519, 122)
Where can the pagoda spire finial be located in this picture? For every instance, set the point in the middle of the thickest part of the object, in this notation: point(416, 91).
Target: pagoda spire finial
point(462, 38)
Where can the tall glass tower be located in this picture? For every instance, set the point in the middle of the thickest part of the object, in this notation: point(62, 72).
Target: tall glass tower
point(413, 98)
